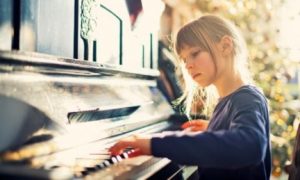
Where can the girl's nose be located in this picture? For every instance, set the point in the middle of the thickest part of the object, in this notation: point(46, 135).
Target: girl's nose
point(188, 64)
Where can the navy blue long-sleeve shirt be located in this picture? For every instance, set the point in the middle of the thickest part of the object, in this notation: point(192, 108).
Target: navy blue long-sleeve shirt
point(235, 145)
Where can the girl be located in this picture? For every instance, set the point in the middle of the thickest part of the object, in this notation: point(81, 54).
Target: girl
point(235, 144)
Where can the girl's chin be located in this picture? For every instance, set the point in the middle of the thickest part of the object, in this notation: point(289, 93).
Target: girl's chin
point(203, 84)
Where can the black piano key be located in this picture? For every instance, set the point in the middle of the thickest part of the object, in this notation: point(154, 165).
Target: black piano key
point(84, 172)
point(91, 169)
point(100, 166)
point(124, 155)
point(88, 170)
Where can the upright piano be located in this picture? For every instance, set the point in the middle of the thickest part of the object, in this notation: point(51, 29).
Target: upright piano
point(70, 90)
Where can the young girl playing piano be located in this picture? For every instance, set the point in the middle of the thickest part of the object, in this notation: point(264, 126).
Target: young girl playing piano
point(235, 142)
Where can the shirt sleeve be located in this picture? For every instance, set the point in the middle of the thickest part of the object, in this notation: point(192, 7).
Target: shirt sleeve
point(244, 144)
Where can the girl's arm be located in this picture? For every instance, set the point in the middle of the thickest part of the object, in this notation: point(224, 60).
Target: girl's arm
point(244, 144)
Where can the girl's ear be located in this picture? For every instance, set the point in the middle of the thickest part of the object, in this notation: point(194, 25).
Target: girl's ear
point(226, 45)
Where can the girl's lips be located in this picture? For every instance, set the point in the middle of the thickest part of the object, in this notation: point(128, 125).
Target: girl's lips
point(196, 75)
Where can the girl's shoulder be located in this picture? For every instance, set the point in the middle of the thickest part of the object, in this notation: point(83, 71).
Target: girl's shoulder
point(247, 94)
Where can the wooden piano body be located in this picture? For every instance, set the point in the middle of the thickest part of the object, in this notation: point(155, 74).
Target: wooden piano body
point(72, 83)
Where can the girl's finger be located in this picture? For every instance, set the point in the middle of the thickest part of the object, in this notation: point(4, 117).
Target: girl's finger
point(197, 128)
point(192, 123)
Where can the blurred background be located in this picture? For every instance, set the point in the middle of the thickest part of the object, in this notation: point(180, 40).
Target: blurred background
point(137, 34)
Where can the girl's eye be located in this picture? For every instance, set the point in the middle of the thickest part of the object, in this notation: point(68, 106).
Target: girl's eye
point(191, 56)
point(194, 54)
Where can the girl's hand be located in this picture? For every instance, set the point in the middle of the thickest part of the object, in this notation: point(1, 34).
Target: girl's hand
point(139, 143)
point(195, 125)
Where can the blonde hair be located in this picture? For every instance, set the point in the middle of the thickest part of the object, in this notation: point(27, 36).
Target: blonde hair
point(205, 33)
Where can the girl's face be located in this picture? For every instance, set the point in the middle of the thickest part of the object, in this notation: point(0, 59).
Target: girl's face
point(199, 65)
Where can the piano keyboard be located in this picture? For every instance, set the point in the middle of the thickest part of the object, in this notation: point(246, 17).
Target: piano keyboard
point(89, 161)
